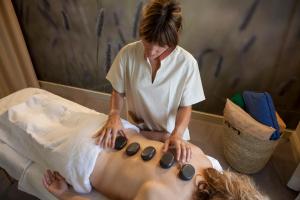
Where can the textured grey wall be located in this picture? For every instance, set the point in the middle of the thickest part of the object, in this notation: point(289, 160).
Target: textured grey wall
point(240, 45)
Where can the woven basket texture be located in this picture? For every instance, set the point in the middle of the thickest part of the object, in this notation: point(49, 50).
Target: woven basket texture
point(246, 153)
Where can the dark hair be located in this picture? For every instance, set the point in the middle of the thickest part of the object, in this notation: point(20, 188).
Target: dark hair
point(226, 185)
point(161, 22)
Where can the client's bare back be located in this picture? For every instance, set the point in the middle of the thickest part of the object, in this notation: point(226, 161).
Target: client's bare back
point(118, 175)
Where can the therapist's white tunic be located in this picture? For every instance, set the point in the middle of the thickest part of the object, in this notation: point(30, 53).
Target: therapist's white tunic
point(177, 83)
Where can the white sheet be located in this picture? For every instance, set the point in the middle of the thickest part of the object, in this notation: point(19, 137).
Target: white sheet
point(55, 135)
point(12, 162)
point(33, 136)
point(31, 183)
point(29, 174)
point(17, 166)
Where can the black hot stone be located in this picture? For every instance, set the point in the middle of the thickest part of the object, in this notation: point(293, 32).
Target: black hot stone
point(121, 142)
point(148, 153)
point(186, 172)
point(132, 149)
point(167, 160)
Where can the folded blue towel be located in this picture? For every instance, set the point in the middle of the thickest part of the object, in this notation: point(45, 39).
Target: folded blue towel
point(260, 106)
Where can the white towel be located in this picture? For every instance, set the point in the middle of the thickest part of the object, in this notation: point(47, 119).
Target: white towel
point(215, 163)
point(53, 135)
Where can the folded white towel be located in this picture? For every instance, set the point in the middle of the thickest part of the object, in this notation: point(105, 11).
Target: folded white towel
point(52, 134)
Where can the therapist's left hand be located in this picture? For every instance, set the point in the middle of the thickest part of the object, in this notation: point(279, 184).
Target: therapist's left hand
point(183, 149)
point(106, 137)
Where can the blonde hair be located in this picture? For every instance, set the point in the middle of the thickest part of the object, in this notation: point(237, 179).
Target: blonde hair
point(226, 185)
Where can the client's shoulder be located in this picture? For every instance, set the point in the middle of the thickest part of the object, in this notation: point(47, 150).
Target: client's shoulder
point(196, 149)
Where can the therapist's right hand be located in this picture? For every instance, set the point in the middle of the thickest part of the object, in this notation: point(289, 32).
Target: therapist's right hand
point(106, 137)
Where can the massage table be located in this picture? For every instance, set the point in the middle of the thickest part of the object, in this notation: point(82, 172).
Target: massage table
point(29, 174)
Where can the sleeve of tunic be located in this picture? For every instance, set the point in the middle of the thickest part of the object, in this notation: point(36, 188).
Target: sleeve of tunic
point(193, 90)
point(116, 73)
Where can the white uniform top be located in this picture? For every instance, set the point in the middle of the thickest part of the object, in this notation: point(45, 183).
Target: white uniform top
point(177, 83)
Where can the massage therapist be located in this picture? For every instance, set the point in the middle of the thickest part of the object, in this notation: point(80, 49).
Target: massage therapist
point(160, 80)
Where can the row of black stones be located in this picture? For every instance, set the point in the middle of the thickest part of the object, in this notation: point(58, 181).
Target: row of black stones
point(186, 172)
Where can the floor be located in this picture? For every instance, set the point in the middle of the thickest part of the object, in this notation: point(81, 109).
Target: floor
point(271, 180)
point(9, 189)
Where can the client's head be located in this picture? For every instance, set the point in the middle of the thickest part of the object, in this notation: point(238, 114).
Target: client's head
point(226, 185)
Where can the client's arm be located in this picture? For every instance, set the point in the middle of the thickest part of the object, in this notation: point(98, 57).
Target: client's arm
point(57, 185)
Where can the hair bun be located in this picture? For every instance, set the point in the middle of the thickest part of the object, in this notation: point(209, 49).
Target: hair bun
point(170, 6)
point(165, 11)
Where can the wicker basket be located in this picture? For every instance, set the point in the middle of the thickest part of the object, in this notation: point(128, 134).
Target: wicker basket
point(246, 153)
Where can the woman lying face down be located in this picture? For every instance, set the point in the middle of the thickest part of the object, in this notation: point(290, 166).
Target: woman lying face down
point(119, 176)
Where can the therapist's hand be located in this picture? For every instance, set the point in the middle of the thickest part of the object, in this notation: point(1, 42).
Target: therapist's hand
point(106, 137)
point(183, 149)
